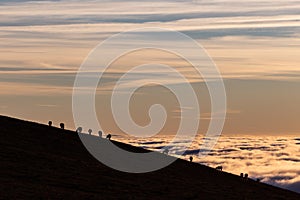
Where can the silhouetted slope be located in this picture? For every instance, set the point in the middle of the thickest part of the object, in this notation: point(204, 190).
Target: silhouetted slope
point(38, 161)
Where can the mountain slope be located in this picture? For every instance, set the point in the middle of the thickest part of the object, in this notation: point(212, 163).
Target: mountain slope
point(38, 161)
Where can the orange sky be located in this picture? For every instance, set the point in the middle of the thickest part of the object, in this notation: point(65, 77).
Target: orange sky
point(255, 44)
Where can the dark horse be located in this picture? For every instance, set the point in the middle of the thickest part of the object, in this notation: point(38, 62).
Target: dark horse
point(219, 168)
point(108, 136)
point(62, 125)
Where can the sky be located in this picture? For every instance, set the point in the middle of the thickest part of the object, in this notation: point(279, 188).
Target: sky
point(255, 45)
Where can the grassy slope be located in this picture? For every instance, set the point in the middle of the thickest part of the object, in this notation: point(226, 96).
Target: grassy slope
point(42, 162)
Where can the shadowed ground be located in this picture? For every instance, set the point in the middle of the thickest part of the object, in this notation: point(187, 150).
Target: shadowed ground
point(38, 161)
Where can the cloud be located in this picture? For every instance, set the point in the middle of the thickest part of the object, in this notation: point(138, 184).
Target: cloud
point(216, 15)
point(188, 152)
point(45, 30)
point(226, 150)
point(291, 159)
point(47, 105)
point(33, 90)
point(23, 69)
point(156, 142)
point(280, 168)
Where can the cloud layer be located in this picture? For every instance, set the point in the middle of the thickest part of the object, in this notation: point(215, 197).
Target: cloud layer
point(274, 160)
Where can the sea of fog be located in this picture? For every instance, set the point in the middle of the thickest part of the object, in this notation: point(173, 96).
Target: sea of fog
point(274, 160)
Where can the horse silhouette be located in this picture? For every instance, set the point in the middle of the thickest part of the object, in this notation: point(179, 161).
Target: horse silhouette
point(108, 136)
point(166, 151)
point(100, 133)
point(79, 130)
point(62, 125)
point(220, 168)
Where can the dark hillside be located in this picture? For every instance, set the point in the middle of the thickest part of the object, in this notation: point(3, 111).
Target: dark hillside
point(41, 162)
